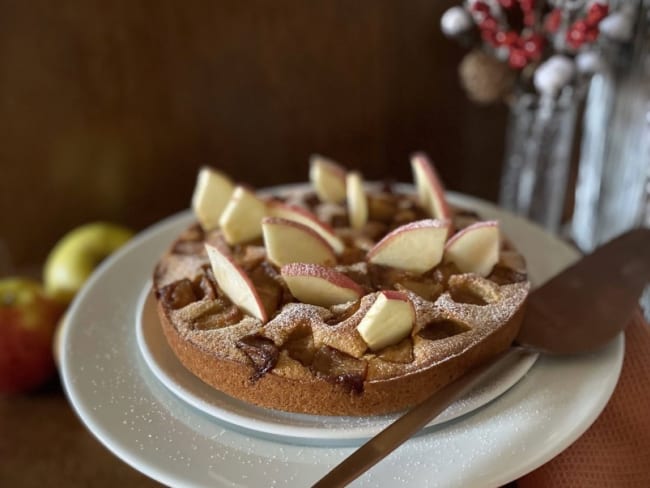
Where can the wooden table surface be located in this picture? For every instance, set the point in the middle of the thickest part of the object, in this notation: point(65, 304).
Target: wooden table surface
point(43, 443)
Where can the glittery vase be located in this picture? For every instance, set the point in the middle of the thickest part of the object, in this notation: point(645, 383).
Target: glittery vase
point(539, 141)
point(613, 186)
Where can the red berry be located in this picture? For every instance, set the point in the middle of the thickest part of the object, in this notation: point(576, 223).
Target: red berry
point(575, 37)
point(592, 34)
point(596, 13)
point(553, 20)
point(533, 45)
point(580, 25)
point(510, 38)
point(489, 37)
point(507, 3)
point(488, 24)
point(529, 19)
point(481, 7)
point(517, 59)
point(527, 5)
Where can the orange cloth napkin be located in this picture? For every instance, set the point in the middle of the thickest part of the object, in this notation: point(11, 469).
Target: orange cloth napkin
point(615, 451)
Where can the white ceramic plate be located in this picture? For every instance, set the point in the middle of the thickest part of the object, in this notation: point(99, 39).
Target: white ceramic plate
point(149, 427)
point(291, 427)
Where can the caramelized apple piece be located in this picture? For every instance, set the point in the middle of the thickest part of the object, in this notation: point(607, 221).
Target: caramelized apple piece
point(340, 368)
point(215, 315)
point(262, 352)
point(445, 271)
point(466, 295)
point(403, 216)
point(385, 277)
point(382, 207)
point(357, 272)
point(177, 295)
point(352, 255)
point(205, 286)
point(268, 289)
point(426, 288)
point(441, 329)
point(300, 345)
point(251, 257)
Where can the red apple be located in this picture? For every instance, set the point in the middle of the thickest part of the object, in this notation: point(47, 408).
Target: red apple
point(28, 320)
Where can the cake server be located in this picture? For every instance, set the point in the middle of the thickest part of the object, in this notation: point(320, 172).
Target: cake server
point(579, 310)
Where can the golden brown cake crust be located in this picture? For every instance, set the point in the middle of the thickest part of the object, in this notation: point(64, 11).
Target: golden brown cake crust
point(319, 396)
point(388, 380)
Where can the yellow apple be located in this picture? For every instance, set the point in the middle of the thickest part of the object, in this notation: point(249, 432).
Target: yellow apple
point(77, 254)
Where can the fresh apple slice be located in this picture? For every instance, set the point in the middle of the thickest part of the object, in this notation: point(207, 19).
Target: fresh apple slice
point(328, 179)
point(241, 220)
point(389, 320)
point(235, 283)
point(474, 249)
point(305, 217)
point(430, 190)
point(416, 246)
point(319, 285)
point(357, 200)
point(288, 241)
point(211, 194)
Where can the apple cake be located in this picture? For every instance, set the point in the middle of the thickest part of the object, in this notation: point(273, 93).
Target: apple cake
point(339, 297)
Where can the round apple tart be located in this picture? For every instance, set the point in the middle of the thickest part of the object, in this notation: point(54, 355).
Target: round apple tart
point(339, 298)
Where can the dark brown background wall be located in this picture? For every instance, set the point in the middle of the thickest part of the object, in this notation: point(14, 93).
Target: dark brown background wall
point(107, 109)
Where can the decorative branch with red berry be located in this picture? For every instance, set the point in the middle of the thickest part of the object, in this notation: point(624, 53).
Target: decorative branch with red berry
point(523, 35)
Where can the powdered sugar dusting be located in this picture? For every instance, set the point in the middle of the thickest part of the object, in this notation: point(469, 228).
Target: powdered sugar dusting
point(162, 436)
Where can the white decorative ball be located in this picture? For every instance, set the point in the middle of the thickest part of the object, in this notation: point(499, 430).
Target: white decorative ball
point(553, 75)
point(589, 62)
point(455, 21)
point(618, 26)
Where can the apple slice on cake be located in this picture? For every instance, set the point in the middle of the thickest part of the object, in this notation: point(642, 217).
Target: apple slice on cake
point(235, 283)
point(328, 179)
point(431, 192)
point(319, 285)
point(241, 220)
point(211, 195)
point(389, 320)
point(357, 200)
point(305, 217)
point(416, 246)
point(288, 241)
point(475, 249)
